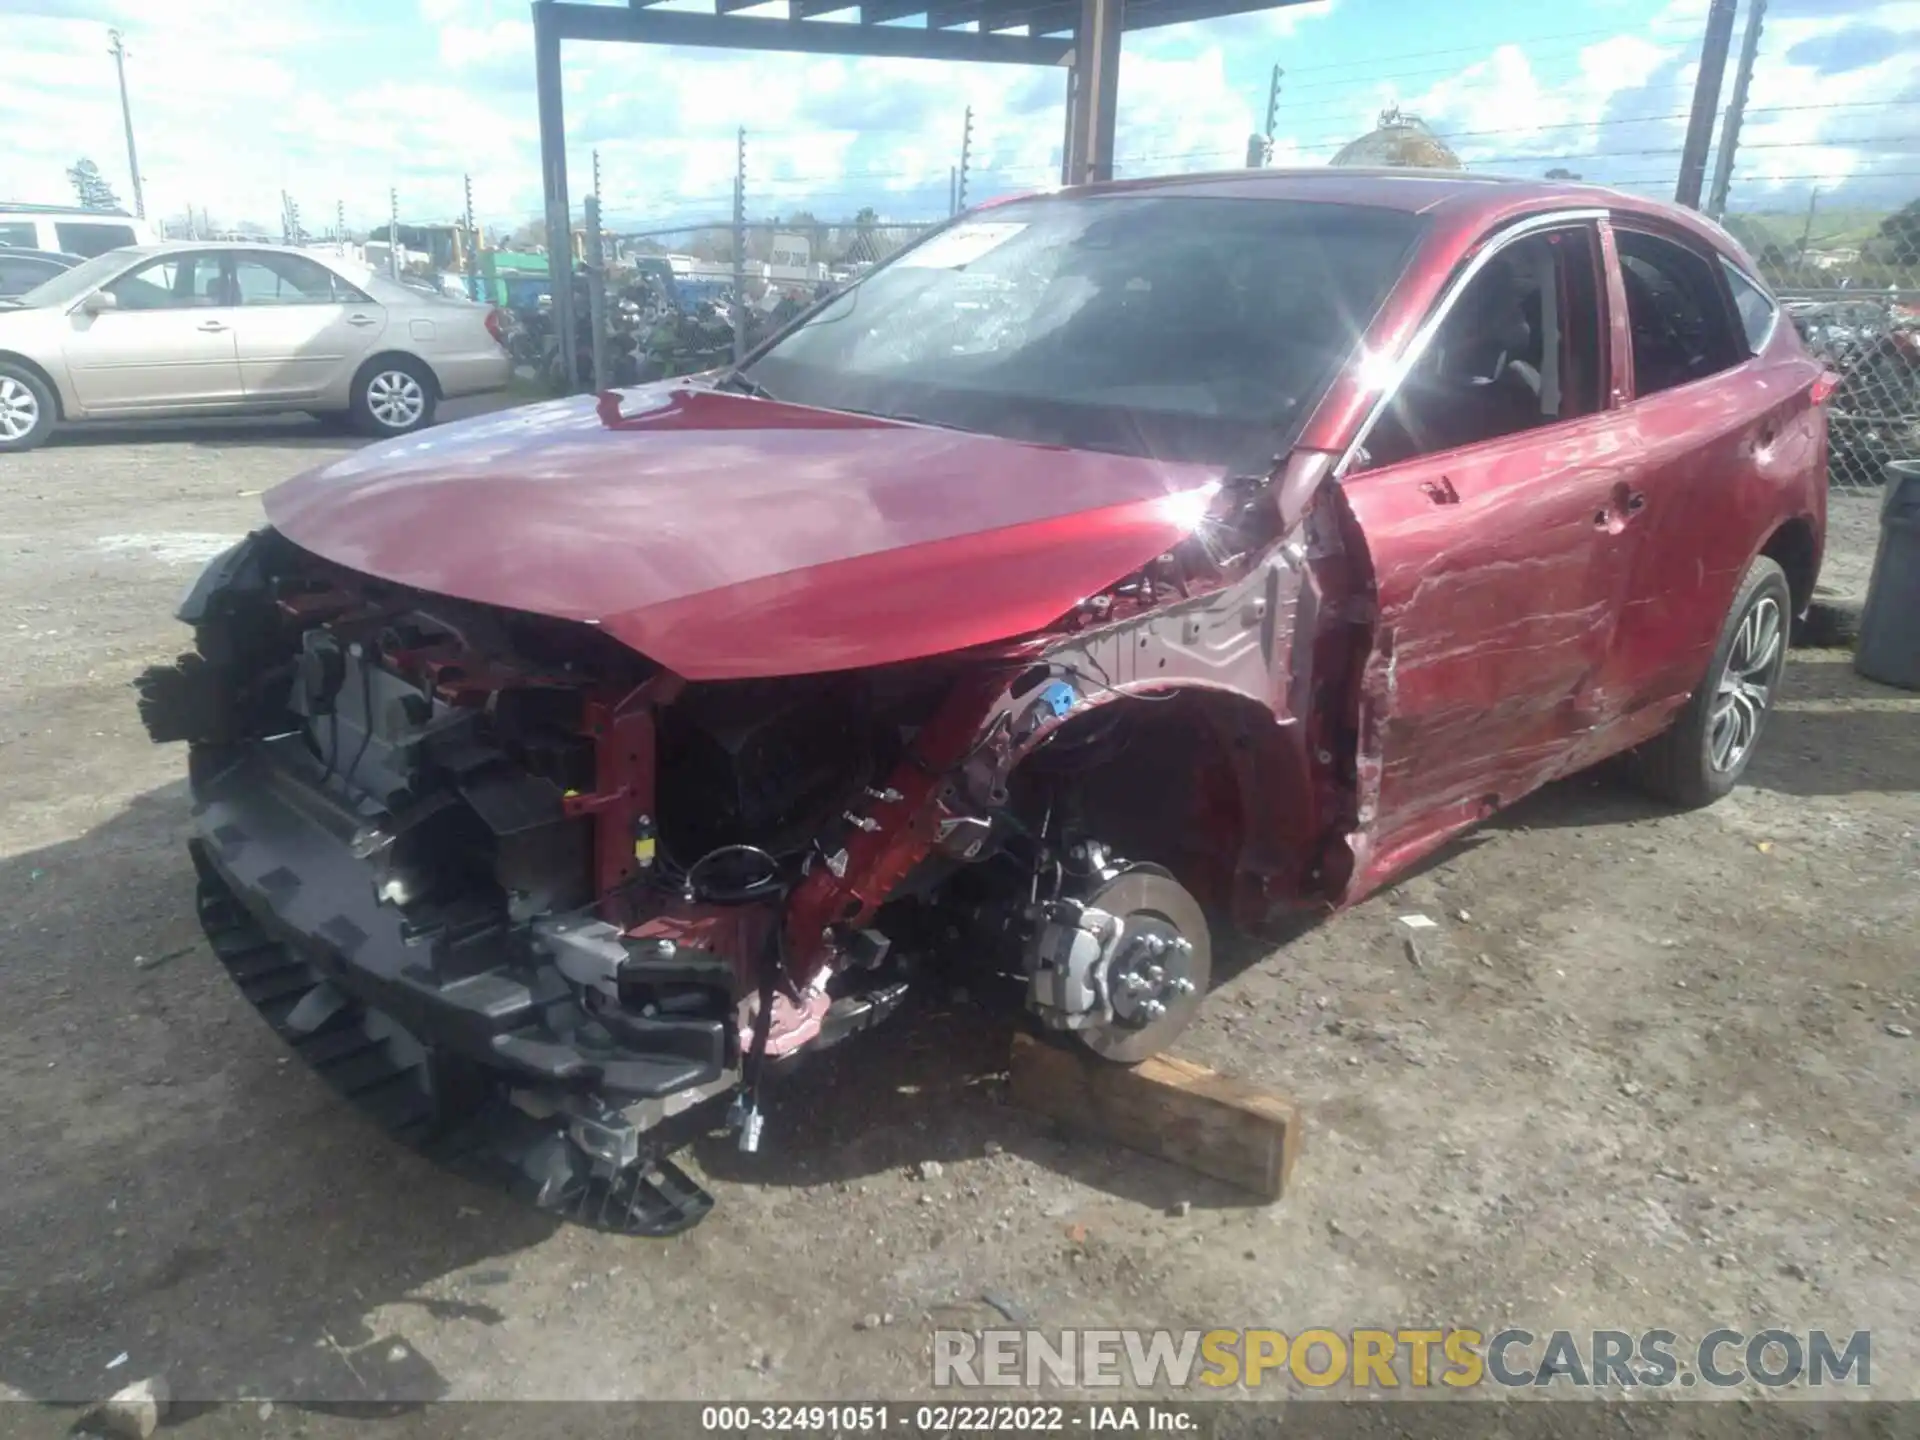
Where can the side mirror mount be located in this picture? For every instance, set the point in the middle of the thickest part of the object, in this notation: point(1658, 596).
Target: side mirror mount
point(99, 301)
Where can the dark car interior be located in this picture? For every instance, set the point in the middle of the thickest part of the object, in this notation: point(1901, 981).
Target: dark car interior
point(1520, 348)
point(1675, 312)
point(21, 270)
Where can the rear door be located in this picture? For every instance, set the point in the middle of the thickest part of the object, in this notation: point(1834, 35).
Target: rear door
point(1486, 493)
point(301, 330)
point(1723, 423)
point(167, 344)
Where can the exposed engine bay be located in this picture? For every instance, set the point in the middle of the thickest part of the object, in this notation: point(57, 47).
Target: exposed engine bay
point(480, 864)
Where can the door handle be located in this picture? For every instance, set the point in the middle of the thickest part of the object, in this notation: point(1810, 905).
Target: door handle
point(211, 327)
point(362, 320)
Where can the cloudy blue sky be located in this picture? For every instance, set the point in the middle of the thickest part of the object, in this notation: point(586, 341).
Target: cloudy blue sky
point(335, 100)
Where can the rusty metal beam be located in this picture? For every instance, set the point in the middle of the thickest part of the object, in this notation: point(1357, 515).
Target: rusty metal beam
point(571, 20)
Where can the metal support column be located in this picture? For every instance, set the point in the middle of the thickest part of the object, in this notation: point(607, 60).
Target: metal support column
point(1066, 131)
point(553, 182)
point(1706, 103)
point(1736, 110)
point(1096, 77)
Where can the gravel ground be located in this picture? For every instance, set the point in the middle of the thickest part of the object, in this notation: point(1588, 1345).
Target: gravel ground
point(1648, 1071)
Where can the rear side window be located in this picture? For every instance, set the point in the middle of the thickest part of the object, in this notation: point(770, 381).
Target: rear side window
point(21, 233)
point(1682, 330)
point(91, 238)
point(271, 279)
point(1756, 308)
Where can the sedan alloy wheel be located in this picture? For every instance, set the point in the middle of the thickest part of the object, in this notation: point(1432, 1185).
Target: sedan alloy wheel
point(396, 399)
point(19, 409)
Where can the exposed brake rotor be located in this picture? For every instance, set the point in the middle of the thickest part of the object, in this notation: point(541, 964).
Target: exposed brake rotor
point(1156, 972)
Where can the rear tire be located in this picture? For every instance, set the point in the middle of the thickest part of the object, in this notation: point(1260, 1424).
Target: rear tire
point(27, 410)
point(393, 396)
point(1707, 749)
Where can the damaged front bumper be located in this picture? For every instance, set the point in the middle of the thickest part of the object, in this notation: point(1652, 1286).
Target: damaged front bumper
point(459, 1038)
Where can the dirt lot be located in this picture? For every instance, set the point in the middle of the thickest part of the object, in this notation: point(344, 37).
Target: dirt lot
point(1648, 1072)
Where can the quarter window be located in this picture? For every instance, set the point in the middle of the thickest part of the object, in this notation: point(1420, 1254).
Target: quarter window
point(1681, 327)
point(1519, 348)
point(1756, 308)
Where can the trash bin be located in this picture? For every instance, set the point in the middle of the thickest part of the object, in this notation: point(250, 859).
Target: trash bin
point(1889, 649)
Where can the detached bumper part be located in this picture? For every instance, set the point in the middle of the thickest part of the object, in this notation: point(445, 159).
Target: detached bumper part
point(457, 1037)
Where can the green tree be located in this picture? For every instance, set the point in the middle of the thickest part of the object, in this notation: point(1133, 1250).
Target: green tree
point(1560, 172)
point(91, 186)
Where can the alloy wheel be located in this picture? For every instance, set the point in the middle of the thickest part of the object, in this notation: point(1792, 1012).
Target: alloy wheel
point(396, 399)
point(19, 409)
point(1747, 683)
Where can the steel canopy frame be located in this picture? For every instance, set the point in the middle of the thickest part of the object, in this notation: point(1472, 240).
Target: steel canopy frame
point(1082, 35)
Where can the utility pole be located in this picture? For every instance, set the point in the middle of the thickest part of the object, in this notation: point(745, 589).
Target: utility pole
point(340, 225)
point(740, 251)
point(119, 53)
point(966, 160)
point(1260, 147)
point(1706, 101)
point(393, 232)
point(1806, 230)
point(1736, 110)
point(473, 243)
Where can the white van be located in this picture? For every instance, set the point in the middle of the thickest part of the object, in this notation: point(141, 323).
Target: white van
point(78, 232)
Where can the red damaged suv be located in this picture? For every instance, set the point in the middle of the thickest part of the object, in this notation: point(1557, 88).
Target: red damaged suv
point(1107, 567)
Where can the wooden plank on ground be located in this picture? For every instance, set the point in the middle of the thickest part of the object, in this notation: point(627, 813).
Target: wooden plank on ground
point(1167, 1107)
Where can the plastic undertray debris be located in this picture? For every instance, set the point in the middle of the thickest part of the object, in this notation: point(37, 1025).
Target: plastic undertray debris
point(431, 1108)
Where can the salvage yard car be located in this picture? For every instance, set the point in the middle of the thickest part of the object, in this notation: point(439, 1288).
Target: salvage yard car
point(1109, 567)
point(198, 329)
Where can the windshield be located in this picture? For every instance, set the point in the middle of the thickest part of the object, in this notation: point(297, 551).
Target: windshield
point(1180, 327)
point(70, 285)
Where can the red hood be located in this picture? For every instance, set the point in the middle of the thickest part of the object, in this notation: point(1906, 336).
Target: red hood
point(725, 536)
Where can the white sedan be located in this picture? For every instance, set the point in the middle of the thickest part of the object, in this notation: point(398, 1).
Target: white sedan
point(198, 329)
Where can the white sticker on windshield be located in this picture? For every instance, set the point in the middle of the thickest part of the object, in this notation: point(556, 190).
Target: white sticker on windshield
point(962, 245)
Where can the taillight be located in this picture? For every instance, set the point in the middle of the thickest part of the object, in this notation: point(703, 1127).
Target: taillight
point(497, 326)
point(1824, 387)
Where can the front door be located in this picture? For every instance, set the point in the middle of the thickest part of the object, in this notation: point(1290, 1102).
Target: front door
point(1494, 500)
point(167, 343)
point(301, 330)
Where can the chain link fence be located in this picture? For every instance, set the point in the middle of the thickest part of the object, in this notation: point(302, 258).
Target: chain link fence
point(1849, 279)
point(680, 301)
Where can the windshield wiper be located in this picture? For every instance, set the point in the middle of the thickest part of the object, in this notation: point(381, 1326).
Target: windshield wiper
point(739, 381)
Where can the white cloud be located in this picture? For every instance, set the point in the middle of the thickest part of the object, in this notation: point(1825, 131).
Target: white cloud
point(235, 100)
